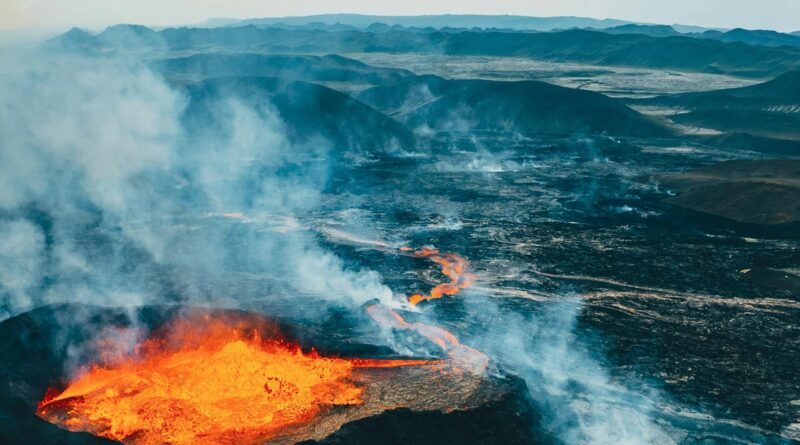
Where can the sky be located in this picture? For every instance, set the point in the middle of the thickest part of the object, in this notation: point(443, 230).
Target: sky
point(16, 15)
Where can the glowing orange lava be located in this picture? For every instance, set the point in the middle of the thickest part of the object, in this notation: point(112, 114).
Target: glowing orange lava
point(207, 381)
point(453, 267)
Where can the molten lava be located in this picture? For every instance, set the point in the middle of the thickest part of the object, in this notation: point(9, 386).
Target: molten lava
point(207, 381)
point(453, 267)
point(221, 380)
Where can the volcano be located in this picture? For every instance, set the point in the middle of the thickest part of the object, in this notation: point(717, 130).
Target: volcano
point(85, 374)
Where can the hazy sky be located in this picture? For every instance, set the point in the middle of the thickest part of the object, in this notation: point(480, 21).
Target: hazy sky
point(782, 15)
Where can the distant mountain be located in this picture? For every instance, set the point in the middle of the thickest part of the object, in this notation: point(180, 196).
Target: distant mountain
point(129, 36)
point(74, 39)
point(755, 192)
point(424, 101)
point(514, 22)
point(754, 37)
point(648, 30)
point(528, 107)
point(770, 109)
point(331, 68)
point(313, 114)
point(599, 48)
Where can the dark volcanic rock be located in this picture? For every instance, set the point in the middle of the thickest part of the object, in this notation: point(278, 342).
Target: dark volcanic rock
point(757, 192)
point(506, 421)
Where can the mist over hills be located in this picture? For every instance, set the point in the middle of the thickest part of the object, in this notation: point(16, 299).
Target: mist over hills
point(428, 102)
point(514, 22)
point(297, 67)
point(311, 113)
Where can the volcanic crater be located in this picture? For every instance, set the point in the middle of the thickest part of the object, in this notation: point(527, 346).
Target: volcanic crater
point(78, 374)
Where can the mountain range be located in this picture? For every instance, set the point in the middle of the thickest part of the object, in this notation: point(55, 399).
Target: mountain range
point(590, 47)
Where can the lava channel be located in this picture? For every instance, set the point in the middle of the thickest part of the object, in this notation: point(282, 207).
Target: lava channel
point(453, 267)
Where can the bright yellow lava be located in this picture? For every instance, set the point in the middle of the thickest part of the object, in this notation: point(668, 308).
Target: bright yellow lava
point(222, 386)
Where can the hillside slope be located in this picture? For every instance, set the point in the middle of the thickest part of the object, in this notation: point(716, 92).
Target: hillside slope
point(313, 114)
point(527, 107)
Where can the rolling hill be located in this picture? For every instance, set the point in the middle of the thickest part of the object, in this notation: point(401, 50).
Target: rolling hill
point(313, 114)
point(770, 109)
point(756, 192)
point(529, 107)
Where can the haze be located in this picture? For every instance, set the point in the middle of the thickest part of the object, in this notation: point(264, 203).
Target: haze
point(782, 15)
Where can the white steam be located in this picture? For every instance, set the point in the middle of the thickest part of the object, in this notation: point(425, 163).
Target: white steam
point(103, 185)
point(21, 256)
point(580, 401)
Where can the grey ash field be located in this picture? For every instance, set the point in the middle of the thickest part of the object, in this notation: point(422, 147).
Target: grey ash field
point(633, 222)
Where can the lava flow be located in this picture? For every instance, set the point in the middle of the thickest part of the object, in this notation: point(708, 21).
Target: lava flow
point(221, 384)
point(460, 356)
point(453, 267)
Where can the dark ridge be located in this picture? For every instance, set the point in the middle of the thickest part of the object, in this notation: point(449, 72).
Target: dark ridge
point(746, 141)
point(756, 37)
point(770, 109)
point(528, 107)
point(313, 114)
point(754, 192)
point(648, 30)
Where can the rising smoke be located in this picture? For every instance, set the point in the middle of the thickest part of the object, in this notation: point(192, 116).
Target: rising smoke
point(106, 183)
point(580, 402)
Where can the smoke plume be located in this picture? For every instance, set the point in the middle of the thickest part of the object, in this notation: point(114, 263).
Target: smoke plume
point(108, 186)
